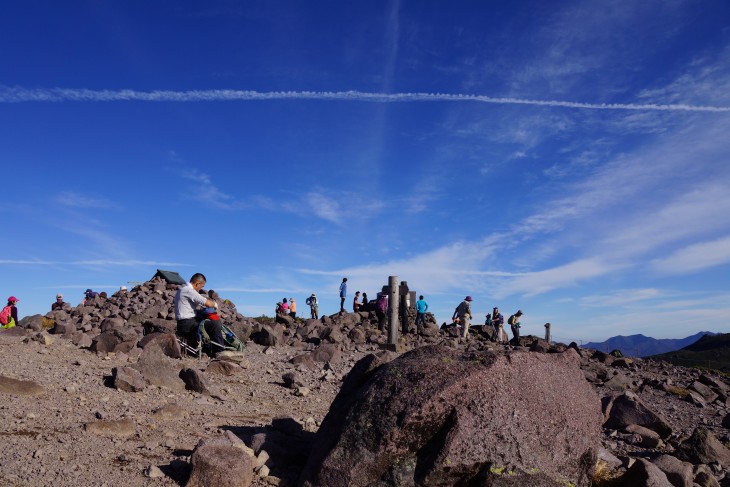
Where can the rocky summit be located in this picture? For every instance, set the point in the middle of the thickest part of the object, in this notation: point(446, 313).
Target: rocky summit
point(102, 394)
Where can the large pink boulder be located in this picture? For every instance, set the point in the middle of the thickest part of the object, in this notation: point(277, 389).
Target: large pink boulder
point(439, 416)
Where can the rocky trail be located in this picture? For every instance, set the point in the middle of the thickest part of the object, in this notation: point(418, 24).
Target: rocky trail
point(100, 395)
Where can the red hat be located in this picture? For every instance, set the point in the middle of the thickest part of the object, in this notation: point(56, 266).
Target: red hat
point(13, 299)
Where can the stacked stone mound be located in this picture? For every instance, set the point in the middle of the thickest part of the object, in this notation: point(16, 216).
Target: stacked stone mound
point(119, 322)
point(440, 416)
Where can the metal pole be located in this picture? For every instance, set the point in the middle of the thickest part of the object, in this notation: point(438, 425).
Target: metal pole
point(394, 302)
point(547, 332)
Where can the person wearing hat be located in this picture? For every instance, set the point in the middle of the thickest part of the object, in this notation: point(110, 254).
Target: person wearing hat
point(10, 313)
point(59, 304)
point(313, 306)
point(88, 296)
point(463, 312)
point(514, 323)
point(498, 324)
point(292, 308)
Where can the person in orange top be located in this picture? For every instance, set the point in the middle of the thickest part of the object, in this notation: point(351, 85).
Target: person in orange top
point(292, 308)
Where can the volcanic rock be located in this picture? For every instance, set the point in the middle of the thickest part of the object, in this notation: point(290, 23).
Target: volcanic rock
point(128, 379)
point(703, 447)
point(427, 418)
point(166, 341)
point(627, 409)
point(214, 465)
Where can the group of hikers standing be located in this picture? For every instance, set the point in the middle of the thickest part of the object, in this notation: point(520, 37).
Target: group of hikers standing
point(463, 314)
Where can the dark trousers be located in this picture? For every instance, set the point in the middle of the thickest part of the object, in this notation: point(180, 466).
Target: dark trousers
point(381, 319)
point(188, 328)
point(515, 333)
point(420, 320)
point(342, 304)
point(293, 315)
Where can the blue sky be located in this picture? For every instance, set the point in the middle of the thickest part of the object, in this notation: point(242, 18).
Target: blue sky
point(567, 158)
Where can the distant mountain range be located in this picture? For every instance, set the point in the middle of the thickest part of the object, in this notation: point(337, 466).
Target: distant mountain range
point(643, 346)
point(710, 352)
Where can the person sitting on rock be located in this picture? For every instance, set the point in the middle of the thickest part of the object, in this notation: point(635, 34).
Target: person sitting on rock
point(89, 295)
point(284, 307)
point(59, 304)
point(10, 313)
point(356, 302)
point(365, 299)
point(187, 301)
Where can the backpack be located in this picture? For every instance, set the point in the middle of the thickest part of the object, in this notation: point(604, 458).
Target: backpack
point(511, 320)
point(6, 314)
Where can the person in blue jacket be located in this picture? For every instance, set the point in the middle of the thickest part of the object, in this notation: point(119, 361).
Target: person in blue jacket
point(421, 308)
point(343, 294)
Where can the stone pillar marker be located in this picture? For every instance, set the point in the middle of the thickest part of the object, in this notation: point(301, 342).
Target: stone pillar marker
point(394, 302)
point(547, 332)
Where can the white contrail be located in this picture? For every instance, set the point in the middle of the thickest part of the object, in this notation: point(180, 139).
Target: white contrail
point(20, 95)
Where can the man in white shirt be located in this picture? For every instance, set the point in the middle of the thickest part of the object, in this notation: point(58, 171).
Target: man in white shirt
point(187, 301)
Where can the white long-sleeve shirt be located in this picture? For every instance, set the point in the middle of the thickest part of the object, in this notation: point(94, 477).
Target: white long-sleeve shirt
point(186, 300)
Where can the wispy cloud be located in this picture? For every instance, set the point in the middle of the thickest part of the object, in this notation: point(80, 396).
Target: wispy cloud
point(695, 257)
point(76, 200)
point(19, 95)
point(93, 263)
point(208, 193)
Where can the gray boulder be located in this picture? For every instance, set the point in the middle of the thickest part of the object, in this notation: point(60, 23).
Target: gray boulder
point(679, 473)
point(128, 379)
point(644, 473)
point(703, 447)
point(166, 341)
point(627, 409)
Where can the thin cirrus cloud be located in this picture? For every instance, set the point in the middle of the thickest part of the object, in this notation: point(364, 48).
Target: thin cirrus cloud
point(313, 203)
point(92, 262)
point(20, 95)
point(76, 200)
point(695, 257)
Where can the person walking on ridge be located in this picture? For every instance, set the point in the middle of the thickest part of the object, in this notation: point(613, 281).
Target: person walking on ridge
point(421, 308)
point(463, 312)
point(343, 294)
point(514, 322)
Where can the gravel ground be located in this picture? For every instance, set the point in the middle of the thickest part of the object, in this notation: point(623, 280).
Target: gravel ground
point(44, 440)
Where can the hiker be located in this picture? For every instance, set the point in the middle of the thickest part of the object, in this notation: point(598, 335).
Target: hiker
point(356, 302)
point(9, 314)
point(187, 300)
point(59, 304)
point(421, 308)
point(89, 295)
point(488, 324)
point(381, 307)
point(498, 324)
point(463, 312)
point(365, 300)
point(313, 306)
point(514, 322)
point(292, 309)
point(343, 294)
point(284, 307)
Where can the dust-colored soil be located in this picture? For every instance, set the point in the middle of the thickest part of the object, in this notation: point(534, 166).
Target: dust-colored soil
point(44, 441)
